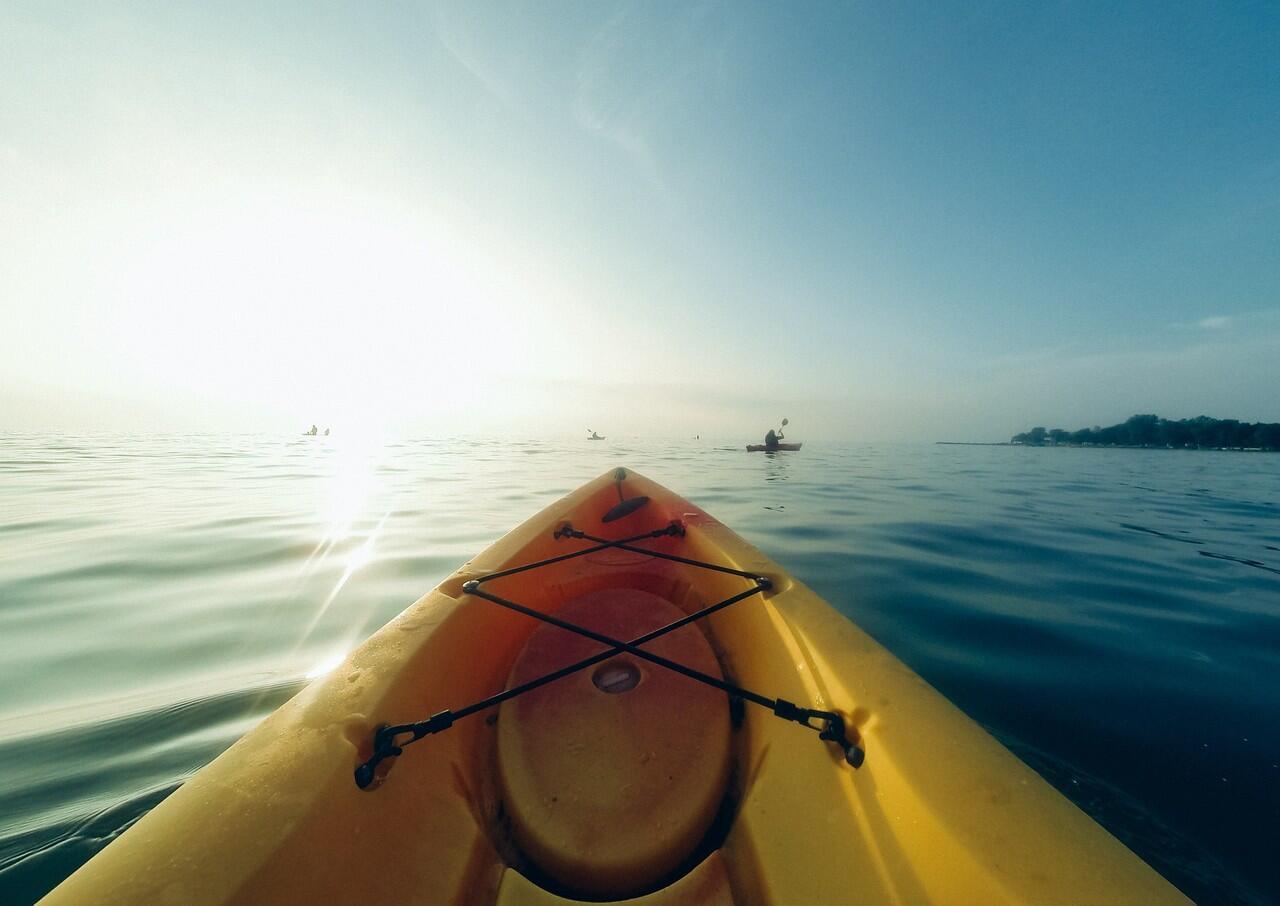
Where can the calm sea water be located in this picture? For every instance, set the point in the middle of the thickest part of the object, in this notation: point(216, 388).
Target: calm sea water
point(1113, 616)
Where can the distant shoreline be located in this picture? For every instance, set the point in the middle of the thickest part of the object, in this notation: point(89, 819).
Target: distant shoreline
point(1151, 432)
point(976, 443)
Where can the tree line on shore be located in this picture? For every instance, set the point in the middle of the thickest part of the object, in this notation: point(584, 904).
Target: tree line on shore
point(1154, 431)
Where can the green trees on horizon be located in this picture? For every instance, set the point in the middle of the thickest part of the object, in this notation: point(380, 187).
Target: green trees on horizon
point(1154, 431)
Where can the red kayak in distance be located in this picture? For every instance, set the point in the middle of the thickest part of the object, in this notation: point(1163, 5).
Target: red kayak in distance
point(759, 448)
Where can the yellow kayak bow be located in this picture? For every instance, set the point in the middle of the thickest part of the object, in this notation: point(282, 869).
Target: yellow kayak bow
point(422, 770)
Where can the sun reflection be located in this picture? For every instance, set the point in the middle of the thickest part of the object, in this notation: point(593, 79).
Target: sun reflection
point(360, 557)
point(346, 540)
point(363, 555)
point(326, 665)
point(353, 483)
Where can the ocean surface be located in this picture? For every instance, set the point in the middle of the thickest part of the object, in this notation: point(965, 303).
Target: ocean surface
point(1113, 616)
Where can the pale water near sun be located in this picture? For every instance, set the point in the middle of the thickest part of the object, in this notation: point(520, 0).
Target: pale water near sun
point(1111, 615)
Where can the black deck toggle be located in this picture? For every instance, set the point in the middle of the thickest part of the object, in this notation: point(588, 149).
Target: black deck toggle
point(832, 729)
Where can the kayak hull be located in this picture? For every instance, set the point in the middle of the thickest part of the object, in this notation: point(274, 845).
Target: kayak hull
point(939, 812)
point(760, 448)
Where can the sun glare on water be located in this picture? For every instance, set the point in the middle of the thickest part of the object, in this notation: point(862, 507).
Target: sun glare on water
point(328, 665)
point(347, 511)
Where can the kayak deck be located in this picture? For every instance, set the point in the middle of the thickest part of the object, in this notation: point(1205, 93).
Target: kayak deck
point(939, 811)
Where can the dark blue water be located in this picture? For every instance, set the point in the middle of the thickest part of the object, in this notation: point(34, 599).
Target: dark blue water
point(1113, 616)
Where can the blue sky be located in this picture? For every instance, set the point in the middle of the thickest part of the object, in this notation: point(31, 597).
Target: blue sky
point(887, 222)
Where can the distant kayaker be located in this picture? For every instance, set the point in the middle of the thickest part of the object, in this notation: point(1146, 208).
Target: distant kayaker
point(326, 432)
point(313, 432)
point(595, 436)
point(771, 439)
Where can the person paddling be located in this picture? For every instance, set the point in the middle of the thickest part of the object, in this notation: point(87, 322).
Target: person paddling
point(773, 437)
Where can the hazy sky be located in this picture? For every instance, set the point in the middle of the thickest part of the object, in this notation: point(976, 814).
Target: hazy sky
point(885, 221)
